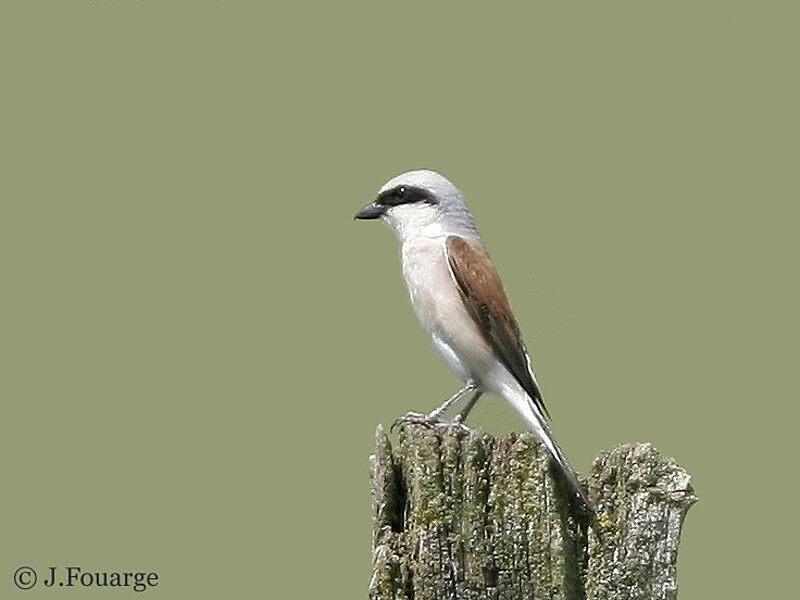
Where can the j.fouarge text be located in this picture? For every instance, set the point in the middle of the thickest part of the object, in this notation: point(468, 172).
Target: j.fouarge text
point(76, 577)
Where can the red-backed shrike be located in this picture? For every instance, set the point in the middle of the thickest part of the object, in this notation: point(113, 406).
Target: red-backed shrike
point(460, 303)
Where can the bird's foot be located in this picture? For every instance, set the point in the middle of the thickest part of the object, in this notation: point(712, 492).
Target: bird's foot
point(428, 420)
point(415, 417)
point(458, 421)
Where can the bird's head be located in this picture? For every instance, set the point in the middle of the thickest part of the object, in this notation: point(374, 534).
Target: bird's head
point(421, 203)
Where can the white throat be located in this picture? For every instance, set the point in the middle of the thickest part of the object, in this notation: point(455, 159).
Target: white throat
point(413, 221)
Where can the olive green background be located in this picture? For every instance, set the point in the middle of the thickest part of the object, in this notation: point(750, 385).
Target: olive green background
point(198, 342)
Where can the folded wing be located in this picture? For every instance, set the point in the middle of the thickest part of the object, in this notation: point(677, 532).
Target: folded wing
point(487, 303)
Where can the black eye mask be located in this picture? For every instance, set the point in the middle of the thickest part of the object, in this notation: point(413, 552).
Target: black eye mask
point(405, 194)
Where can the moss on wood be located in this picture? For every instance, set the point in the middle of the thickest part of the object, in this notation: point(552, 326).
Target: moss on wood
point(462, 515)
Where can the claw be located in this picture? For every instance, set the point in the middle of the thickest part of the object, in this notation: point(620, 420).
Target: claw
point(427, 420)
point(458, 421)
point(412, 417)
point(452, 425)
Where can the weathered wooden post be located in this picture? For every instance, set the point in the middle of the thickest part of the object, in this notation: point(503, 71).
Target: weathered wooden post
point(462, 515)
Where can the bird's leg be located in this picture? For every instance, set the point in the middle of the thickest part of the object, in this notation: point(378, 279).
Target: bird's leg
point(469, 387)
point(432, 418)
point(461, 416)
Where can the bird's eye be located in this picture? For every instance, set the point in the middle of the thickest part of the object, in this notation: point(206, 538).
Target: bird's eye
point(401, 191)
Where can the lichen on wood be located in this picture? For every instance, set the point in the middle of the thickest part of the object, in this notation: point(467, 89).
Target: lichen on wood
point(461, 515)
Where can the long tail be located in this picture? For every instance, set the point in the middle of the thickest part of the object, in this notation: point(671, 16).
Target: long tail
point(535, 420)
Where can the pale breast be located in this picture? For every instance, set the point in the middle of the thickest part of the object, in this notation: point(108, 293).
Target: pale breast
point(437, 303)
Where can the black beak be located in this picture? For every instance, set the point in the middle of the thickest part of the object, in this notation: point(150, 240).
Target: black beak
point(370, 211)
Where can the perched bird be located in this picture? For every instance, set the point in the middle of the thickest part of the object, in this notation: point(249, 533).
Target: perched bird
point(460, 303)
